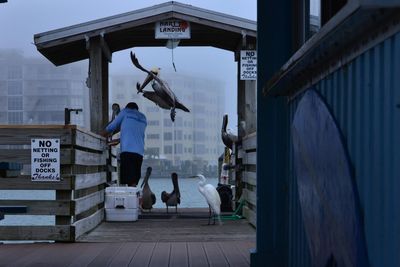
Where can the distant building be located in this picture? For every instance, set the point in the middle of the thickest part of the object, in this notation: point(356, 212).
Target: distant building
point(195, 137)
point(34, 91)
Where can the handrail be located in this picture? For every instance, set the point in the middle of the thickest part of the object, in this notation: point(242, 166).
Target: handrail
point(79, 203)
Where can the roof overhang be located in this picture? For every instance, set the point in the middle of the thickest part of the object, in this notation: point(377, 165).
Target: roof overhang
point(136, 29)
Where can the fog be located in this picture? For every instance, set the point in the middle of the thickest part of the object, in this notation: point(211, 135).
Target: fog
point(21, 19)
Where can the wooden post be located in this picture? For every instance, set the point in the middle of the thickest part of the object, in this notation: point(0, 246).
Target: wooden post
point(98, 84)
point(63, 195)
point(274, 48)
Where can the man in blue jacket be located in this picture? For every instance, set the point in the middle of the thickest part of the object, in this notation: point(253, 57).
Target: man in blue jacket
point(132, 125)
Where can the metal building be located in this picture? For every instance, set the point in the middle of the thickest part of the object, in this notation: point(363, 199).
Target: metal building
point(352, 63)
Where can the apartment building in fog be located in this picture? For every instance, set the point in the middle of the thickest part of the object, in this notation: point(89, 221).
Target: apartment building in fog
point(194, 136)
point(34, 91)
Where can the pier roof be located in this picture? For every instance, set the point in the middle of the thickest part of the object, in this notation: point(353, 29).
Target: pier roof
point(136, 29)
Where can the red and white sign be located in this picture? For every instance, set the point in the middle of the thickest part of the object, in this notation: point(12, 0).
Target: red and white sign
point(172, 29)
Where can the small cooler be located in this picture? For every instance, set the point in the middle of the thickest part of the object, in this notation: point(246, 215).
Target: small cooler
point(121, 203)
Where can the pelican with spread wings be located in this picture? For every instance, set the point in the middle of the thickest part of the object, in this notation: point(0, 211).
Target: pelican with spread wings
point(162, 96)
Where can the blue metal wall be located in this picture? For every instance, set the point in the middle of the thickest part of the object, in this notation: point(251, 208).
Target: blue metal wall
point(364, 97)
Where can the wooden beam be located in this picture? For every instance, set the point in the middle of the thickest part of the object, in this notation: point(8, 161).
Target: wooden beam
point(89, 140)
point(41, 207)
point(104, 47)
point(249, 142)
point(63, 195)
point(250, 215)
point(24, 182)
point(83, 181)
point(85, 225)
point(87, 202)
point(250, 178)
point(57, 233)
point(98, 93)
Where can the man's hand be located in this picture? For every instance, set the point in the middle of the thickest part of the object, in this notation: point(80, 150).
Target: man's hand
point(113, 142)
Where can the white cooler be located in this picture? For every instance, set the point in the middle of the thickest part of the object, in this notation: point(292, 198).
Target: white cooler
point(121, 203)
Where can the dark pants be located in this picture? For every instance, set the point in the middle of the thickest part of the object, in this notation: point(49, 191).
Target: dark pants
point(131, 164)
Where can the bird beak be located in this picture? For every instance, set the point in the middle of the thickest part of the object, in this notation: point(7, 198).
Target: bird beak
point(147, 80)
point(194, 176)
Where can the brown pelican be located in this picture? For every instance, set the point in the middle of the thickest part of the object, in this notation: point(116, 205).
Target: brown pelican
point(162, 96)
point(173, 198)
point(227, 138)
point(148, 197)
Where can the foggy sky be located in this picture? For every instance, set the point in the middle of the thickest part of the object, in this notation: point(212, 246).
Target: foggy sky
point(21, 19)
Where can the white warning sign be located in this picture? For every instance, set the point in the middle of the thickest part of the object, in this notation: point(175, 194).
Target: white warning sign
point(172, 29)
point(248, 65)
point(45, 160)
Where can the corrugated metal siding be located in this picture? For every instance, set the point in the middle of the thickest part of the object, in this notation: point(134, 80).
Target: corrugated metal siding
point(362, 97)
point(299, 254)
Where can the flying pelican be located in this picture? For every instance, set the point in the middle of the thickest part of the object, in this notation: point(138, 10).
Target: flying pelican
point(212, 197)
point(148, 197)
point(227, 138)
point(162, 96)
point(174, 198)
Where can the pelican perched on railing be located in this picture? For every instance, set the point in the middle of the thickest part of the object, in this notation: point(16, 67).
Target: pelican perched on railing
point(162, 96)
point(227, 137)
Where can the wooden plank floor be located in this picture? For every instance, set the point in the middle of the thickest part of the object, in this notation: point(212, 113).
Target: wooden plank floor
point(156, 239)
point(156, 254)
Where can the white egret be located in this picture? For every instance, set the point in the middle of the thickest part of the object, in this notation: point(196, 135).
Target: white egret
point(212, 197)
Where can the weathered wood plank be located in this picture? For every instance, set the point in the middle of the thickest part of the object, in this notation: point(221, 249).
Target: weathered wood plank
point(196, 254)
point(24, 156)
point(250, 178)
point(250, 142)
point(143, 255)
point(67, 156)
point(22, 134)
point(86, 253)
point(87, 202)
point(41, 207)
point(57, 233)
point(63, 195)
point(250, 158)
point(89, 159)
point(89, 140)
point(250, 196)
point(215, 255)
point(178, 254)
point(88, 180)
point(125, 255)
point(233, 255)
point(25, 182)
point(250, 215)
point(84, 225)
point(160, 256)
point(105, 257)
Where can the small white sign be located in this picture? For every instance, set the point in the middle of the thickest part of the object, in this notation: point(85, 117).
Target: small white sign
point(172, 29)
point(248, 65)
point(45, 160)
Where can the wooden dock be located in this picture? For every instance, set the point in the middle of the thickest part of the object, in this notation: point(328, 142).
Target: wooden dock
point(156, 239)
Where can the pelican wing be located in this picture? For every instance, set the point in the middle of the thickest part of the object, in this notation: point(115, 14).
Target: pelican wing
point(152, 96)
point(136, 63)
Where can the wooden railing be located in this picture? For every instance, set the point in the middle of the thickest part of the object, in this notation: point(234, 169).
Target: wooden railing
point(78, 206)
point(247, 153)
